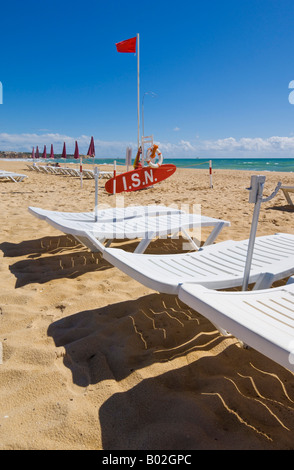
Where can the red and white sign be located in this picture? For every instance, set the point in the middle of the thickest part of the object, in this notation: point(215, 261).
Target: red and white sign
point(139, 179)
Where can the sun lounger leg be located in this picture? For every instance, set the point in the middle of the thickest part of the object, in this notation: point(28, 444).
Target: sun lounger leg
point(287, 196)
point(190, 239)
point(215, 232)
point(91, 242)
point(264, 281)
point(144, 243)
point(221, 330)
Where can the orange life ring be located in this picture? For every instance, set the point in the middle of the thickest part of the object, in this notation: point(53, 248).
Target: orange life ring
point(151, 155)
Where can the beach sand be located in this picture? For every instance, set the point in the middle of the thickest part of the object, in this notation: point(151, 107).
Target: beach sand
point(93, 360)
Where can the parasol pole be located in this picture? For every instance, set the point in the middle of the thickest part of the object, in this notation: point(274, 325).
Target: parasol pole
point(255, 197)
point(77, 155)
point(96, 173)
point(138, 88)
point(91, 153)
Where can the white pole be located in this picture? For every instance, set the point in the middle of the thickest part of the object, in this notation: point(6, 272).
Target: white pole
point(138, 88)
point(255, 196)
point(256, 190)
point(96, 173)
point(128, 157)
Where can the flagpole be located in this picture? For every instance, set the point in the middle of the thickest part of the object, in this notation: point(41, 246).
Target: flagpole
point(138, 89)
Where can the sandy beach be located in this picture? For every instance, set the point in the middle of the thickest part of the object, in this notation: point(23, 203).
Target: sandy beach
point(93, 360)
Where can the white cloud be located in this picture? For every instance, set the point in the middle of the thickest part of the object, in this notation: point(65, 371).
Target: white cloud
point(176, 129)
point(272, 146)
point(25, 143)
point(275, 146)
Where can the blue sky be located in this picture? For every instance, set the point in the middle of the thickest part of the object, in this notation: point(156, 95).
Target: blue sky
point(220, 71)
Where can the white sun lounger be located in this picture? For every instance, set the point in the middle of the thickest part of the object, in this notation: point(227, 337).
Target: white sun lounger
point(66, 171)
point(33, 167)
point(88, 174)
point(11, 176)
point(45, 169)
point(93, 234)
point(286, 191)
point(262, 319)
point(106, 174)
point(63, 170)
point(216, 266)
point(55, 170)
point(223, 265)
point(39, 168)
point(106, 215)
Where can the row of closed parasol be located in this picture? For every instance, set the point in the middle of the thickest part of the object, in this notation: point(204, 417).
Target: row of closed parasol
point(90, 153)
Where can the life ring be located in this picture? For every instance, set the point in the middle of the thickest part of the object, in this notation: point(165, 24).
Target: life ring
point(151, 154)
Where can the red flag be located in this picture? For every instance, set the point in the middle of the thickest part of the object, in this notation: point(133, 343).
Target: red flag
point(129, 45)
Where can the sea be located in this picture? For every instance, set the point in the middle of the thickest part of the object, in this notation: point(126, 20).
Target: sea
point(250, 164)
